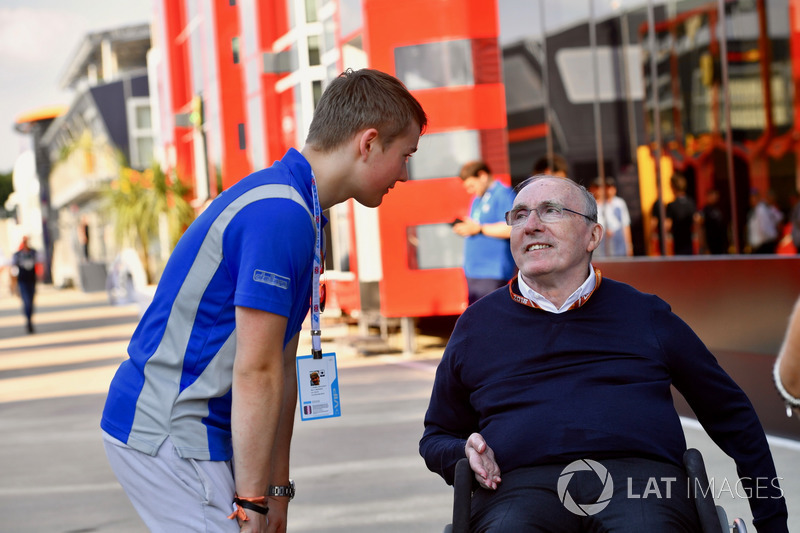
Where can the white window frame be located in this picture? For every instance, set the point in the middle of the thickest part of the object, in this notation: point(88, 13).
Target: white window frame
point(135, 133)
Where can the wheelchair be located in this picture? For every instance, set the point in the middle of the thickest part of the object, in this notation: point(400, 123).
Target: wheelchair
point(713, 518)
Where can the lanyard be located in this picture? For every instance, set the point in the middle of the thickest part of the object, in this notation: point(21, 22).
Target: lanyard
point(316, 330)
point(579, 302)
point(477, 210)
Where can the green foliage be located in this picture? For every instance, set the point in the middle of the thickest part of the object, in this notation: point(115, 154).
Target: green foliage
point(6, 188)
point(138, 201)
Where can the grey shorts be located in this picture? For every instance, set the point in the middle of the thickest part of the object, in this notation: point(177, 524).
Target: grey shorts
point(173, 494)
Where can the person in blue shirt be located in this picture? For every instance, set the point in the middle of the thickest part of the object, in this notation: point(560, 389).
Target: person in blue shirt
point(198, 421)
point(558, 391)
point(488, 264)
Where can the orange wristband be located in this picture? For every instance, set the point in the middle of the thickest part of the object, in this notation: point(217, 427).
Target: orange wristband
point(254, 504)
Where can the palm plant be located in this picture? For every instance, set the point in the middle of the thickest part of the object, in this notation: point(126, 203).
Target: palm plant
point(138, 201)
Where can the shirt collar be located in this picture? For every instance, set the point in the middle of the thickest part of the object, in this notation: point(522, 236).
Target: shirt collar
point(582, 292)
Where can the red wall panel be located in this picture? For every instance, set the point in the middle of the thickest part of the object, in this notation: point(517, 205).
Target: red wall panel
point(389, 24)
point(230, 78)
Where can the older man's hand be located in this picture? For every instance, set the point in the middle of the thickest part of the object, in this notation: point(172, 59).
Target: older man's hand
point(481, 460)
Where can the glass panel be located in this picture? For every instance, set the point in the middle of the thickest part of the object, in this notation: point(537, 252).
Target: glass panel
point(575, 63)
point(440, 64)
point(144, 146)
point(311, 11)
point(313, 50)
point(434, 246)
point(339, 251)
point(235, 48)
point(316, 88)
point(143, 117)
point(440, 155)
point(328, 34)
point(523, 85)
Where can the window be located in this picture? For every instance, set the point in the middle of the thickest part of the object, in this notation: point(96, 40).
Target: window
point(143, 117)
point(441, 155)
point(434, 246)
point(311, 11)
point(242, 137)
point(439, 64)
point(316, 89)
point(524, 87)
point(576, 68)
point(140, 132)
point(235, 49)
point(313, 50)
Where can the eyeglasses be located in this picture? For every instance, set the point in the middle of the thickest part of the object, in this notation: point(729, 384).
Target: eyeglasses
point(548, 212)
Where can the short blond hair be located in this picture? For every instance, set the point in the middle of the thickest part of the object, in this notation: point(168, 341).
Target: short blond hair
point(360, 99)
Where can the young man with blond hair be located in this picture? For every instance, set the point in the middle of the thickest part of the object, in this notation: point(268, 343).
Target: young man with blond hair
point(198, 422)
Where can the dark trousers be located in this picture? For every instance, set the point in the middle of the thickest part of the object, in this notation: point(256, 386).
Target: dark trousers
point(479, 287)
point(647, 496)
point(26, 292)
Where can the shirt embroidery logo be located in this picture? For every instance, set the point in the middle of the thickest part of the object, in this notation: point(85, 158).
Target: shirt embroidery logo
point(270, 278)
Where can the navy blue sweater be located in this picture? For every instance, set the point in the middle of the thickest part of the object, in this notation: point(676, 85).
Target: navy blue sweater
point(593, 382)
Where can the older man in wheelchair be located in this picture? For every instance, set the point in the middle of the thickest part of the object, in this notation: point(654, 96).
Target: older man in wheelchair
point(557, 391)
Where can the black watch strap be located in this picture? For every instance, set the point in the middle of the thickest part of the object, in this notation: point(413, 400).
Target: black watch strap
point(261, 509)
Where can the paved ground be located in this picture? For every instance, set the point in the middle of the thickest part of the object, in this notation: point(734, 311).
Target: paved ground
point(357, 473)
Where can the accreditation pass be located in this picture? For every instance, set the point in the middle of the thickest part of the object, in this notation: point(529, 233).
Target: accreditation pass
point(318, 387)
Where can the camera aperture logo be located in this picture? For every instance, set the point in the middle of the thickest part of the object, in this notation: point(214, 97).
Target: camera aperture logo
point(585, 509)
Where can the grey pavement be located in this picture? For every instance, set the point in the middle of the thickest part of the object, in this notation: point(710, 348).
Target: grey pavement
point(357, 473)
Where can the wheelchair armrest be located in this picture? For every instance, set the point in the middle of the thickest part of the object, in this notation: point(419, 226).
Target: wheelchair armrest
point(699, 490)
point(462, 496)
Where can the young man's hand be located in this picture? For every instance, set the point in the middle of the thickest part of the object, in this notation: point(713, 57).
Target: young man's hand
point(278, 511)
point(256, 523)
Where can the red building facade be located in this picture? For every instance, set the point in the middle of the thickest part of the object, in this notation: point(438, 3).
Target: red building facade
point(238, 82)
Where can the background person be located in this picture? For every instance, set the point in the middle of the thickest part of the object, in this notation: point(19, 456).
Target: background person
point(680, 217)
point(567, 365)
point(555, 166)
point(763, 221)
point(488, 264)
point(613, 215)
point(23, 278)
point(714, 225)
point(619, 221)
point(210, 388)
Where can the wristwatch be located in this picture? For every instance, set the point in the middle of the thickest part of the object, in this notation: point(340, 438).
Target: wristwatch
point(282, 490)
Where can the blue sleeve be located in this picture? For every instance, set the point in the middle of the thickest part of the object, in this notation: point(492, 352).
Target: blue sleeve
point(269, 251)
point(726, 414)
point(450, 419)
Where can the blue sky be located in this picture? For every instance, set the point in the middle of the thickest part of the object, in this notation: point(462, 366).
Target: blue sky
point(38, 37)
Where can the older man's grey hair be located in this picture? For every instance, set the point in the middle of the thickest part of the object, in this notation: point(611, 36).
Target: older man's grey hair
point(590, 204)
